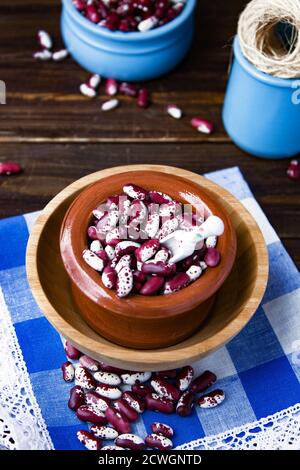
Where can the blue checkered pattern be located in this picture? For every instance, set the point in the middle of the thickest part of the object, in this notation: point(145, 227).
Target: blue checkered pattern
point(256, 369)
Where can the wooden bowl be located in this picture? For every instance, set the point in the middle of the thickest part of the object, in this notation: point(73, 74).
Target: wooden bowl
point(139, 321)
point(236, 301)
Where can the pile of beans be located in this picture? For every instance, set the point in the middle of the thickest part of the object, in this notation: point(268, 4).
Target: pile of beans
point(130, 15)
point(124, 243)
point(97, 398)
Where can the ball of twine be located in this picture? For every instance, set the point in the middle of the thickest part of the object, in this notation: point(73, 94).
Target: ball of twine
point(269, 35)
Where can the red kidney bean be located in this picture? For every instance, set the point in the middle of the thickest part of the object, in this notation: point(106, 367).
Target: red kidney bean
point(165, 389)
point(125, 248)
point(93, 398)
point(139, 276)
point(119, 422)
point(108, 368)
point(92, 233)
point(10, 168)
point(109, 391)
point(79, 4)
point(76, 398)
point(141, 389)
point(109, 277)
point(159, 268)
point(190, 261)
point(111, 87)
point(89, 440)
point(202, 125)
point(185, 404)
point(134, 400)
point(293, 170)
point(89, 363)
point(152, 286)
point(92, 14)
point(159, 198)
point(143, 99)
point(184, 378)
point(84, 378)
point(176, 283)
point(130, 441)
point(162, 429)
point(158, 441)
point(71, 351)
point(91, 414)
point(104, 432)
point(147, 250)
point(212, 399)
point(68, 371)
point(156, 403)
point(125, 410)
point(203, 381)
point(167, 374)
point(212, 257)
point(128, 89)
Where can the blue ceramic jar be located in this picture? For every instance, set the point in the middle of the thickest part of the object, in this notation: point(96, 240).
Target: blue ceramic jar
point(261, 113)
point(131, 56)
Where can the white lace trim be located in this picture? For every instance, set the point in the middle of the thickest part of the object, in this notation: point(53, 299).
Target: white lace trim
point(280, 431)
point(22, 425)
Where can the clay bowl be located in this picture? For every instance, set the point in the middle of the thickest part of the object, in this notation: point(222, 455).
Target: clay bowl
point(139, 321)
point(236, 301)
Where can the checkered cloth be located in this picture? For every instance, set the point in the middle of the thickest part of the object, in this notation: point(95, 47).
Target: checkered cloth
point(256, 369)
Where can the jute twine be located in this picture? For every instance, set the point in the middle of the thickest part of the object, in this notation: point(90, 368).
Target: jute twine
point(269, 35)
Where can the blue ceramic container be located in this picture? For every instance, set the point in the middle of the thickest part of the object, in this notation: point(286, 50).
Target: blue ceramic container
point(131, 56)
point(261, 113)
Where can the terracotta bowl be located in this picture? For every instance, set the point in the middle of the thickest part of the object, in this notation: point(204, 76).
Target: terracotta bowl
point(235, 303)
point(139, 321)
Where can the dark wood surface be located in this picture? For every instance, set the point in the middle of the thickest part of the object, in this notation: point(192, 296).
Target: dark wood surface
point(58, 135)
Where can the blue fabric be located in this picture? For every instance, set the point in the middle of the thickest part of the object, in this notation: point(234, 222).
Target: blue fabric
point(256, 369)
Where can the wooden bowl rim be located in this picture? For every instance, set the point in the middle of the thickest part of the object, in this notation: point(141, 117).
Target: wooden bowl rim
point(159, 359)
point(89, 282)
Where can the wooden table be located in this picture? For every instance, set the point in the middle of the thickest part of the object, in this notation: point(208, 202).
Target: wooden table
point(58, 135)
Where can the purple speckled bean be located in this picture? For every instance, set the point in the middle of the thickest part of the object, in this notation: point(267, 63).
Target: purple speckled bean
point(91, 414)
point(88, 439)
point(185, 404)
point(184, 378)
point(93, 398)
point(165, 389)
point(134, 400)
point(68, 371)
point(158, 441)
point(130, 441)
point(76, 398)
point(84, 378)
point(176, 283)
point(212, 399)
point(162, 429)
point(135, 192)
point(212, 257)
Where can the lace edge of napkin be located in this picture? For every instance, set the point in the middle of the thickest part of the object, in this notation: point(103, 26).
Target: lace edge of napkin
point(22, 425)
point(280, 431)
